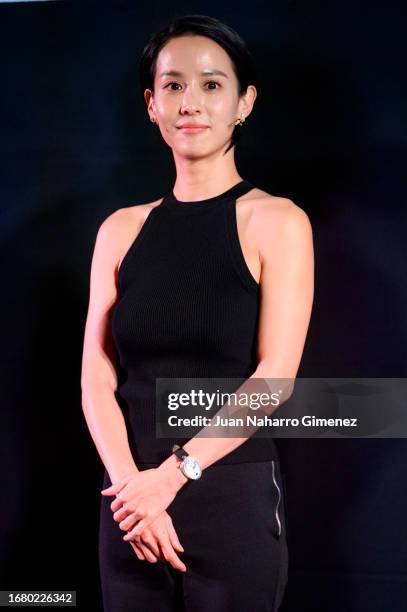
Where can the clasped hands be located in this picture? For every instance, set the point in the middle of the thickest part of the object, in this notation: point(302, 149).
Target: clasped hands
point(142, 498)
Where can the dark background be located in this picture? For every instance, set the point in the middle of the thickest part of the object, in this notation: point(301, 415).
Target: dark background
point(327, 131)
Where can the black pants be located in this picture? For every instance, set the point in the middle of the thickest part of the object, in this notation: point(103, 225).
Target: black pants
point(232, 525)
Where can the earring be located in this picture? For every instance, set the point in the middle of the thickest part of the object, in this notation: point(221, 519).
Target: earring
point(241, 120)
point(152, 119)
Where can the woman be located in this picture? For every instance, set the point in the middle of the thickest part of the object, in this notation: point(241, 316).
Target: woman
point(215, 279)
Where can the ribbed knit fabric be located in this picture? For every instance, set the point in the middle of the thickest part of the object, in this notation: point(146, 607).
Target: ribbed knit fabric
point(188, 307)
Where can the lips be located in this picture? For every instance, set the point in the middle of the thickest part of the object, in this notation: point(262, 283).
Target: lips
point(193, 129)
point(194, 126)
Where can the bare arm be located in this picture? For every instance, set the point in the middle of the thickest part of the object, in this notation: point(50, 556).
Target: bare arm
point(287, 287)
point(98, 378)
point(99, 384)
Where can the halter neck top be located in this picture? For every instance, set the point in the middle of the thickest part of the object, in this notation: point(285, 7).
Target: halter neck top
point(188, 307)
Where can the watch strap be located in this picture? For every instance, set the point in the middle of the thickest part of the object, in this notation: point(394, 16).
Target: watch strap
point(179, 451)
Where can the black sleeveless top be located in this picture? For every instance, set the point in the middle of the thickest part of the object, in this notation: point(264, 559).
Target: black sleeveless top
point(188, 307)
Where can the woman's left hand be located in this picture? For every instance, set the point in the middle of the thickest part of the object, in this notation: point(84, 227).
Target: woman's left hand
point(140, 496)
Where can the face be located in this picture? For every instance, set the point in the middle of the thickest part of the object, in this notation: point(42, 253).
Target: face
point(195, 83)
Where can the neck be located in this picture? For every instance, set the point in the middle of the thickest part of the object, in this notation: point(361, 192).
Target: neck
point(199, 179)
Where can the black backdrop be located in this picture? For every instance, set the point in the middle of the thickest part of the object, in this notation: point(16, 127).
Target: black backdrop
point(76, 144)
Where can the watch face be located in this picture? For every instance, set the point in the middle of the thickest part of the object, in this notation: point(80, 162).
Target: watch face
point(191, 468)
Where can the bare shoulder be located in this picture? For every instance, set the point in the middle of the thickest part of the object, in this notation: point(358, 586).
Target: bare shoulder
point(268, 207)
point(122, 226)
point(276, 217)
point(127, 218)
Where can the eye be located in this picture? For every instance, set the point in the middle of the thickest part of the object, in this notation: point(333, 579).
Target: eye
point(172, 83)
point(175, 83)
point(215, 82)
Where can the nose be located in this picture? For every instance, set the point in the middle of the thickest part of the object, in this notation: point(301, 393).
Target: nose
point(189, 108)
point(190, 101)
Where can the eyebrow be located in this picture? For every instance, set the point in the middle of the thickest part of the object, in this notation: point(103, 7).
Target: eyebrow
point(177, 73)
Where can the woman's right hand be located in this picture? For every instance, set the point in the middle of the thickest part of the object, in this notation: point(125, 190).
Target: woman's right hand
point(159, 541)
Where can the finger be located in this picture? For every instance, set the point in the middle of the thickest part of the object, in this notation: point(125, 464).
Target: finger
point(129, 522)
point(116, 504)
point(121, 513)
point(150, 541)
point(172, 534)
point(144, 520)
point(172, 558)
point(170, 554)
point(138, 552)
point(116, 487)
point(148, 554)
point(138, 548)
point(141, 525)
point(131, 533)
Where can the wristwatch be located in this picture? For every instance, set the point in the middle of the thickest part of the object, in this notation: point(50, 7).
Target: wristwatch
point(189, 465)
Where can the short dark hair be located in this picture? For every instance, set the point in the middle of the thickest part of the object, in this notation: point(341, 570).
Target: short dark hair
point(202, 25)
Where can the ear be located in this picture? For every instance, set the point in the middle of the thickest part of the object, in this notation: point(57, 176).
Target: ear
point(149, 98)
point(247, 100)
